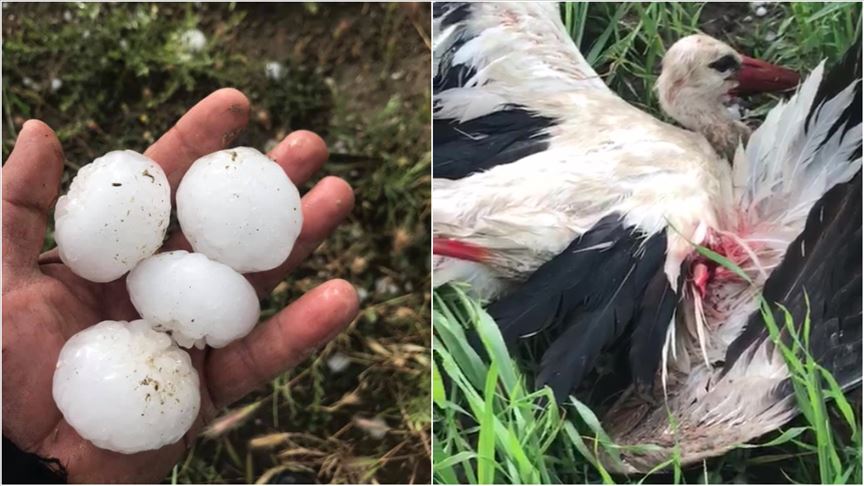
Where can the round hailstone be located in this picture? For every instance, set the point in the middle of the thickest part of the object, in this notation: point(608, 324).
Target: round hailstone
point(114, 215)
point(238, 207)
point(195, 298)
point(193, 40)
point(125, 387)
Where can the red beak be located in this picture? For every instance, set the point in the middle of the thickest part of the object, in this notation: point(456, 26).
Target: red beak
point(757, 76)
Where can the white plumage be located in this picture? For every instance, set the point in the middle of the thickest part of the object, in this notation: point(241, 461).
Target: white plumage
point(604, 155)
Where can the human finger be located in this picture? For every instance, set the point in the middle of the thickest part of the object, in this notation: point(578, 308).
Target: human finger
point(281, 342)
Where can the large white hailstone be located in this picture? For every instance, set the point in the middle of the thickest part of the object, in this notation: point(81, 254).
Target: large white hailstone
point(195, 298)
point(114, 215)
point(239, 207)
point(125, 387)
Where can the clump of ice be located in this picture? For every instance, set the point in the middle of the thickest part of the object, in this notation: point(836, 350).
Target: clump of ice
point(274, 71)
point(239, 207)
point(195, 298)
point(115, 214)
point(338, 363)
point(193, 40)
point(125, 387)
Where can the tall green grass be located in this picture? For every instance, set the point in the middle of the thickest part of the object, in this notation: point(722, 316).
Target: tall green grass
point(489, 427)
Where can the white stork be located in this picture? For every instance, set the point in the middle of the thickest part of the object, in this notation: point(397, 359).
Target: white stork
point(578, 213)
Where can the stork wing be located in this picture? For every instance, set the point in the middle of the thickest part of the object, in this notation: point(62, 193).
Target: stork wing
point(495, 65)
point(808, 183)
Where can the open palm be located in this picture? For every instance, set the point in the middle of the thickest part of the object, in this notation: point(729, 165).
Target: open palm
point(44, 303)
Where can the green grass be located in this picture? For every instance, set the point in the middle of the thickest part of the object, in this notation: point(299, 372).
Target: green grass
point(489, 424)
point(357, 75)
point(490, 427)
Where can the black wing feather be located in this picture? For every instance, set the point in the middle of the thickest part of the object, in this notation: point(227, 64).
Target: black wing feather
point(466, 147)
point(541, 300)
point(656, 311)
point(502, 137)
point(593, 295)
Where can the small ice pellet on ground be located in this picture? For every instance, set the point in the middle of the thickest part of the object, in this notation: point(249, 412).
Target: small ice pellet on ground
point(771, 36)
point(761, 11)
point(125, 387)
point(274, 70)
point(362, 293)
point(376, 427)
point(56, 83)
point(67, 16)
point(239, 208)
point(193, 40)
point(386, 286)
point(340, 146)
point(115, 214)
point(338, 363)
point(200, 301)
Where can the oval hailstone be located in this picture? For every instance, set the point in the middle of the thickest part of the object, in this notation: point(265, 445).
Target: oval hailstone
point(114, 215)
point(195, 298)
point(239, 207)
point(125, 387)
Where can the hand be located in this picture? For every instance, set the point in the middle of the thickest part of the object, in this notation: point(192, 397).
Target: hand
point(44, 303)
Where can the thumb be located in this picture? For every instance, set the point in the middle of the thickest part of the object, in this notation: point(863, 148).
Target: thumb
point(31, 184)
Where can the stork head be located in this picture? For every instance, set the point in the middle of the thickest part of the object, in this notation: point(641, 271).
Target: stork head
point(700, 78)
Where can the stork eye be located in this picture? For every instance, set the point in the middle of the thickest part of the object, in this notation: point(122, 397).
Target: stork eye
point(725, 63)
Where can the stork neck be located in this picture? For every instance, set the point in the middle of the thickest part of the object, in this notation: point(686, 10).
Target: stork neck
point(725, 136)
point(709, 117)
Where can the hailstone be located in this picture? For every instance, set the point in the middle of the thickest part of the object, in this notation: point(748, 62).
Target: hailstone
point(197, 299)
point(125, 387)
point(239, 207)
point(115, 214)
